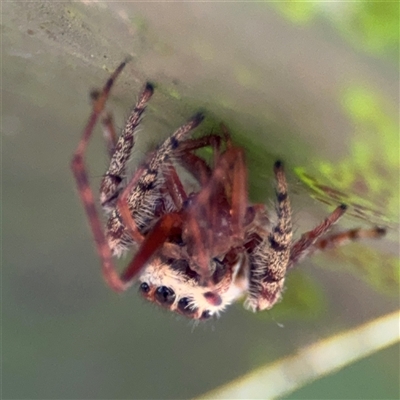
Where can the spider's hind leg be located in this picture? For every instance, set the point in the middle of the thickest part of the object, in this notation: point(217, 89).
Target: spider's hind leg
point(306, 244)
point(269, 260)
point(314, 240)
point(343, 238)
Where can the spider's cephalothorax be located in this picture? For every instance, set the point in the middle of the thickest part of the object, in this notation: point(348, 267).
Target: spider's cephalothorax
point(196, 252)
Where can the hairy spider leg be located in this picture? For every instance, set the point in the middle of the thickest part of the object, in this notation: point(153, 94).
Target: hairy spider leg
point(269, 260)
point(112, 182)
point(177, 193)
point(80, 172)
point(134, 197)
point(304, 245)
point(151, 173)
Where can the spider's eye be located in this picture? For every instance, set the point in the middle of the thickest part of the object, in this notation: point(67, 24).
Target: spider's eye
point(164, 295)
point(206, 314)
point(183, 306)
point(144, 287)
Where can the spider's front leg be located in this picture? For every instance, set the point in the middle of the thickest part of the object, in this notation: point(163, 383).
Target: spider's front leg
point(112, 183)
point(81, 174)
point(269, 260)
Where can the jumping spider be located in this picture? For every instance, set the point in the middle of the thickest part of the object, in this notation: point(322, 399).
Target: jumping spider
point(197, 252)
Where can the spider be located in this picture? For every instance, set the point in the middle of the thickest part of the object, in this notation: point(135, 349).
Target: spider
point(197, 252)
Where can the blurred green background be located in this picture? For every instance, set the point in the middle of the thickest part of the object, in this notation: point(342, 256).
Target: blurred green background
point(315, 84)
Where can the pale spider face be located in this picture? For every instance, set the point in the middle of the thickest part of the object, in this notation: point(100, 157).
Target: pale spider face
point(219, 244)
point(171, 284)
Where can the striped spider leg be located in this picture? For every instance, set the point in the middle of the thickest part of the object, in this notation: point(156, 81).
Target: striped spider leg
point(276, 254)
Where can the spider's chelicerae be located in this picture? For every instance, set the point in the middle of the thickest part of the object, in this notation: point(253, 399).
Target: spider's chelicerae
point(197, 252)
